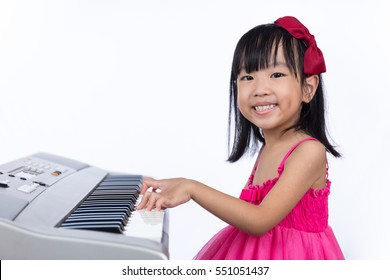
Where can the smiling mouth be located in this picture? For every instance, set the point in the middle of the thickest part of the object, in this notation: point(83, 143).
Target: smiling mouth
point(265, 107)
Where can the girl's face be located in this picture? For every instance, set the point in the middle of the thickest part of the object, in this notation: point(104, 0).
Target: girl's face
point(270, 98)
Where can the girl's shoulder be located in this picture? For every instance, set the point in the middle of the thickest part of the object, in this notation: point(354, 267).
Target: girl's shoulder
point(309, 147)
point(309, 151)
point(306, 165)
point(310, 144)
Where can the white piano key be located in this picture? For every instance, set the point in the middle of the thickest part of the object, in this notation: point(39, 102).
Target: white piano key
point(145, 224)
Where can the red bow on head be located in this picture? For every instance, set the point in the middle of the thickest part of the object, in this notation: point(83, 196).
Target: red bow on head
point(313, 62)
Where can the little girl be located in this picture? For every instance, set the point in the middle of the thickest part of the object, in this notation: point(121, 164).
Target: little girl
point(276, 98)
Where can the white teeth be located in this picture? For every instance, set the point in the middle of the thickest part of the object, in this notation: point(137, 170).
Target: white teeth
point(265, 107)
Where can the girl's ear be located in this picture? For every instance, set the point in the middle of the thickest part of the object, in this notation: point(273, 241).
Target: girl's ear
point(310, 88)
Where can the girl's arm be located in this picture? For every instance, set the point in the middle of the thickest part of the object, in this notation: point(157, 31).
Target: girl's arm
point(304, 167)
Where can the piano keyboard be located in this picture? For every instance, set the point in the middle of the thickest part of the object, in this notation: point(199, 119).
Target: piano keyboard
point(108, 207)
point(111, 208)
point(59, 208)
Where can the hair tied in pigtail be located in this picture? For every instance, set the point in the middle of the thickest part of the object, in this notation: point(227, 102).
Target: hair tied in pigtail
point(314, 62)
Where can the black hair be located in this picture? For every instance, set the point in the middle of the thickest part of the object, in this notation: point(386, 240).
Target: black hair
point(255, 51)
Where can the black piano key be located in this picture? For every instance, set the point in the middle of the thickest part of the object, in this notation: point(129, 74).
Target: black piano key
point(119, 198)
point(127, 201)
point(95, 220)
point(92, 218)
point(123, 177)
point(104, 209)
point(97, 202)
point(112, 196)
point(101, 213)
point(108, 227)
point(117, 212)
point(115, 186)
point(114, 192)
point(117, 189)
point(120, 183)
point(106, 205)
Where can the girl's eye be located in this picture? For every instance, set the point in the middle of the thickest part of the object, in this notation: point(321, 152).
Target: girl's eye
point(277, 75)
point(246, 78)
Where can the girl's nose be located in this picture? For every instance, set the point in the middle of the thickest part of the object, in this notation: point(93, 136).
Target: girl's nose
point(261, 87)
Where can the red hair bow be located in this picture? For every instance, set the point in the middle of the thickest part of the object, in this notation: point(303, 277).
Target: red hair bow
point(314, 62)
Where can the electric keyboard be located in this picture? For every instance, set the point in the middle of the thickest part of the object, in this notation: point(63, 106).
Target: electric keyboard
point(52, 207)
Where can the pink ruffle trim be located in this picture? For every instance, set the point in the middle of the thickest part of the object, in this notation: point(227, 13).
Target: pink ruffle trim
point(310, 214)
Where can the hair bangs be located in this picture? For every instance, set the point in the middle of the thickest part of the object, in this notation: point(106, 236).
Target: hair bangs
point(258, 49)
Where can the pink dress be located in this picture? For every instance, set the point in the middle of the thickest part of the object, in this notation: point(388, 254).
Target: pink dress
point(303, 234)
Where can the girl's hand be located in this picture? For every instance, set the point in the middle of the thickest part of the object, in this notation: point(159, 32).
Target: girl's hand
point(164, 194)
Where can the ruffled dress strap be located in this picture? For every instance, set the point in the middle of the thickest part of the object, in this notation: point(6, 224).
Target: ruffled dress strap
point(250, 179)
point(251, 193)
point(257, 160)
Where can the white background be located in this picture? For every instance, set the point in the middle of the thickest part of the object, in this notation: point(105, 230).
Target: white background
point(142, 87)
